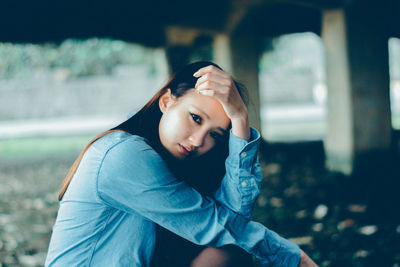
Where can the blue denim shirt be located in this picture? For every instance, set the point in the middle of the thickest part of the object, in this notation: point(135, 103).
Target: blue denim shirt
point(123, 188)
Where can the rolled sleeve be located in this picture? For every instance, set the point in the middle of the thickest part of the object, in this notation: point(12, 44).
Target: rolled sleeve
point(244, 152)
point(241, 185)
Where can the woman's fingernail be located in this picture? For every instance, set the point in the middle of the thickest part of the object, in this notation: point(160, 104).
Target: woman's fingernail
point(207, 92)
point(195, 74)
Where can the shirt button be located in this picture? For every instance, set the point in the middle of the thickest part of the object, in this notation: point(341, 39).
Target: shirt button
point(243, 154)
point(244, 184)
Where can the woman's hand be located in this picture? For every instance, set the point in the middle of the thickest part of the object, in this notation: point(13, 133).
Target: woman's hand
point(219, 84)
point(306, 261)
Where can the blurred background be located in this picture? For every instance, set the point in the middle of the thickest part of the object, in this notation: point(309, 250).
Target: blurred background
point(324, 86)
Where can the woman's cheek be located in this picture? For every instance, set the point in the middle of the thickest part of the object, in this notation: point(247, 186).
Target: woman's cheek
point(166, 130)
point(172, 124)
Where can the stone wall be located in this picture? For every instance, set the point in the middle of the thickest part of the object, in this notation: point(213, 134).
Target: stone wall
point(52, 95)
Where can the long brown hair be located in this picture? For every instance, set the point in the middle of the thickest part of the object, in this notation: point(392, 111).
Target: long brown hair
point(203, 173)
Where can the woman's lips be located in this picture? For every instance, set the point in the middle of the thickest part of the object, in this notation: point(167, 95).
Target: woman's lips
point(183, 150)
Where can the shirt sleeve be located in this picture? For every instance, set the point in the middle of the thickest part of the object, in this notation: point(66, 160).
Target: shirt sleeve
point(240, 186)
point(135, 179)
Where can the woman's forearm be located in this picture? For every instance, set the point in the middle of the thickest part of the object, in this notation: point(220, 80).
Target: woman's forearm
point(144, 185)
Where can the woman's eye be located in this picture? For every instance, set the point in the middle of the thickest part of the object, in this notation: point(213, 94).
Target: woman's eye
point(196, 118)
point(215, 135)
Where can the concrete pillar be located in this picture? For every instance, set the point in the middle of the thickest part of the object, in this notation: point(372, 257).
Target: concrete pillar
point(238, 54)
point(339, 147)
point(359, 119)
point(178, 48)
point(177, 56)
point(222, 52)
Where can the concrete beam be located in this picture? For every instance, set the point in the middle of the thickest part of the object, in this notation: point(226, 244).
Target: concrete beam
point(315, 4)
point(238, 11)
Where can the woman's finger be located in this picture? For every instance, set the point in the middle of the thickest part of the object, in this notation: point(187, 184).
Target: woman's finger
point(211, 85)
point(208, 69)
point(207, 92)
point(203, 71)
point(214, 89)
point(215, 77)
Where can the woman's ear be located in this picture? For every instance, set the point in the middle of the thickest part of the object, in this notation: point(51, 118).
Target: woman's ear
point(165, 100)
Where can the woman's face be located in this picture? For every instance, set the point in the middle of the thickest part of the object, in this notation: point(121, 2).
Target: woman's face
point(191, 124)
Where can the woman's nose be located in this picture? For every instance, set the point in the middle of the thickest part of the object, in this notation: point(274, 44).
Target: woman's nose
point(197, 140)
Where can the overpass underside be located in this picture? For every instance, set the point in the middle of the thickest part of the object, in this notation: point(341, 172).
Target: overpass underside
point(355, 34)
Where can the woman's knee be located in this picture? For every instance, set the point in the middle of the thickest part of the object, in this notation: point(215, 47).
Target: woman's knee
point(227, 256)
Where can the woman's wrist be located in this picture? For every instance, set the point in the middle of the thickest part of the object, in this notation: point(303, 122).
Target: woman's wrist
point(241, 127)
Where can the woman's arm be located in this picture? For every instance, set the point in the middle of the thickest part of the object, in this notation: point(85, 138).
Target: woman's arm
point(134, 178)
point(241, 184)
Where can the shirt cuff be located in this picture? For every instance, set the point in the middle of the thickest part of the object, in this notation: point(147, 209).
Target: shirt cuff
point(242, 152)
point(288, 253)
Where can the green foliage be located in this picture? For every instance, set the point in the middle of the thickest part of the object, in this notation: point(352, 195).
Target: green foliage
point(79, 57)
point(30, 147)
point(297, 53)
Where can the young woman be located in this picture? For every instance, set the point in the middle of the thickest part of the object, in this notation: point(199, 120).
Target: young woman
point(184, 165)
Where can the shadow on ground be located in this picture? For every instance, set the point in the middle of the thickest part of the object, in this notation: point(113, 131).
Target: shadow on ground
point(337, 220)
